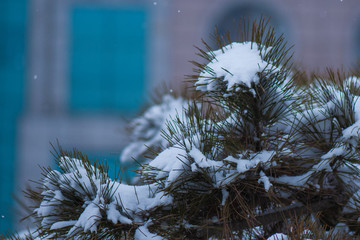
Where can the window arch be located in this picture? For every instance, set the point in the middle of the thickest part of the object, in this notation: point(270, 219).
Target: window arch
point(228, 20)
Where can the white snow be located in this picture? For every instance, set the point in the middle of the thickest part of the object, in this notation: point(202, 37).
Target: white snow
point(89, 219)
point(265, 180)
point(334, 152)
point(123, 207)
point(244, 165)
point(147, 129)
point(200, 161)
point(225, 195)
point(352, 132)
point(171, 162)
point(114, 215)
point(238, 63)
point(357, 107)
point(281, 236)
point(138, 198)
point(353, 203)
point(28, 234)
point(62, 224)
point(352, 82)
point(294, 180)
point(143, 233)
point(341, 228)
point(278, 236)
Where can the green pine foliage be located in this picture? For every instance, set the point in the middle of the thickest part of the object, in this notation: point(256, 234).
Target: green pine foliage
point(250, 156)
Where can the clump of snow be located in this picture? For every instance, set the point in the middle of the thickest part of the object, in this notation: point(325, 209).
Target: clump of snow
point(278, 236)
point(236, 63)
point(114, 215)
point(353, 131)
point(146, 130)
point(62, 224)
point(353, 203)
point(89, 219)
point(265, 180)
point(351, 134)
point(122, 204)
point(170, 162)
point(225, 195)
point(200, 161)
point(28, 234)
point(341, 228)
point(244, 165)
point(295, 180)
point(352, 83)
point(174, 161)
point(143, 233)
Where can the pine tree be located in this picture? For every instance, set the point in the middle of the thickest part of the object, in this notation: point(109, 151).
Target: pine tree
point(252, 155)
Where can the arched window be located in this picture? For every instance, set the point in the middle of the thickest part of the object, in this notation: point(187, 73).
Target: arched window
point(228, 21)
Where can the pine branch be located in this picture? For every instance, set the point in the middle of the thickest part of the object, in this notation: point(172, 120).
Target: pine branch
point(249, 153)
point(271, 217)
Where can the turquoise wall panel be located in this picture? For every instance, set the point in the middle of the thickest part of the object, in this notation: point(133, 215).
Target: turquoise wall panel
point(111, 160)
point(108, 56)
point(12, 74)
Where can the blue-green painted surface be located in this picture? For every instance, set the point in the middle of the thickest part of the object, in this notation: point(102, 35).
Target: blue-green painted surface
point(12, 74)
point(111, 160)
point(124, 173)
point(107, 62)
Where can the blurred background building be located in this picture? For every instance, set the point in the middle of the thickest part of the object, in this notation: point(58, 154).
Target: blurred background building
point(74, 70)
